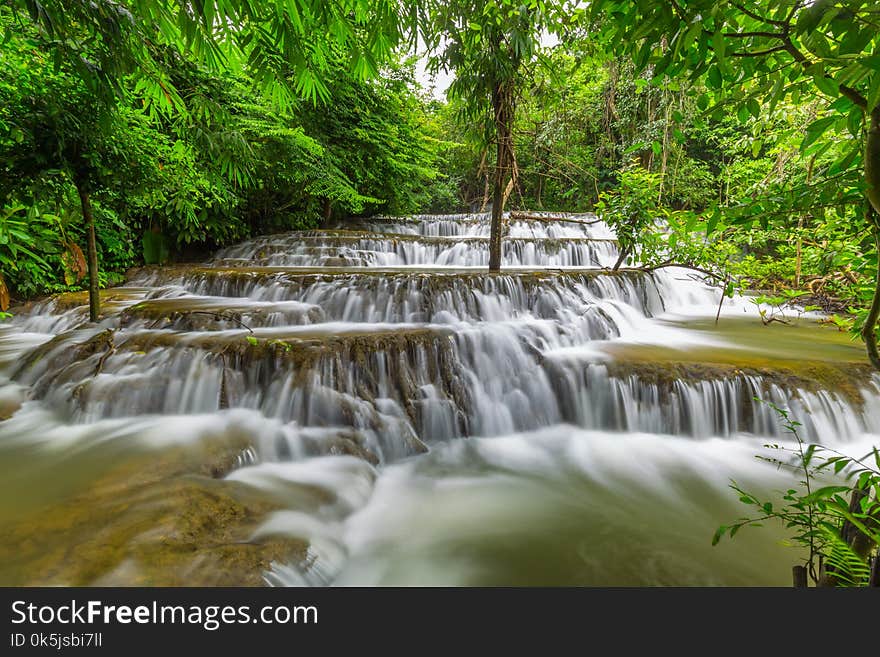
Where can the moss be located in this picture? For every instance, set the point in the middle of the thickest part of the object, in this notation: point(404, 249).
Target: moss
point(112, 299)
point(307, 275)
point(338, 238)
point(844, 379)
point(161, 519)
point(200, 314)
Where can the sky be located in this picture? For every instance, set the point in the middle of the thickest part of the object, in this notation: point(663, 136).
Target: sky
point(441, 82)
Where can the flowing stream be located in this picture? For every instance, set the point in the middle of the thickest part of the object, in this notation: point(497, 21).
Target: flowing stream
point(366, 405)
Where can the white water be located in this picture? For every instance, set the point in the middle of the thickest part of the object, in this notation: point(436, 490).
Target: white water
point(467, 428)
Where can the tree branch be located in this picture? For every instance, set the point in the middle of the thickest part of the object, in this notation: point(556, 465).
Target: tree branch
point(758, 17)
point(745, 35)
point(670, 263)
point(847, 92)
point(758, 53)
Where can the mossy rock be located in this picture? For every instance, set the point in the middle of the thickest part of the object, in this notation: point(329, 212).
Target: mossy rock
point(846, 379)
point(158, 519)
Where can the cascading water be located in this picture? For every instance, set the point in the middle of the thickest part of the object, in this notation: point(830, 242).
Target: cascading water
point(371, 394)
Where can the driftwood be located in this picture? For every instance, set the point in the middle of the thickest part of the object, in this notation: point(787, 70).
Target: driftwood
point(519, 215)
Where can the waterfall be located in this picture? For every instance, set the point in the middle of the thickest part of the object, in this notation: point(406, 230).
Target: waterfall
point(379, 362)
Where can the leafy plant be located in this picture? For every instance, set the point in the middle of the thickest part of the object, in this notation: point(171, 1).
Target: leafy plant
point(839, 535)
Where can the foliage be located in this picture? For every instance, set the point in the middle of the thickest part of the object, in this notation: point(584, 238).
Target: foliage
point(834, 514)
point(486, 45)
point(228, 163)
point(631, 210)
point(489, 45)
point(755, 58)
point(285, 46)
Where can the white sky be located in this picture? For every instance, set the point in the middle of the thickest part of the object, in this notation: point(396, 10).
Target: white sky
point(439, 84)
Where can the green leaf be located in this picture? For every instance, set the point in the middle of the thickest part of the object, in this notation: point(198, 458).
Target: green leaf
point(815, 130)
point(757, 145)
point(712, 222)
point(854, 121)
point(824, 493)
point(714, 77)
point(754, 107)
point(826, 85)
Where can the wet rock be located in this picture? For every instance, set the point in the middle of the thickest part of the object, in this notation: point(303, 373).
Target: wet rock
point(154, 520)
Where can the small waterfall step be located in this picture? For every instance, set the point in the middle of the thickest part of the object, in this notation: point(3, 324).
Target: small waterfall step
point(419, 382)
point(550, 225)
point(196, 313)
point(424, 294)
point(413, 250)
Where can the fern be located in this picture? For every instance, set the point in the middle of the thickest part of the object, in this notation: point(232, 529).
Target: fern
point(846, 566)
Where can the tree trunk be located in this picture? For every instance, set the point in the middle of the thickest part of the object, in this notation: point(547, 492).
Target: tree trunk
point(92, 252)
point(497, 212)
point(483, 172)
point(868, 332)
point(799, 575)
point(872, 180)
point(620, 259)
point(502, 105)
point(872, 160)
point(485, 201)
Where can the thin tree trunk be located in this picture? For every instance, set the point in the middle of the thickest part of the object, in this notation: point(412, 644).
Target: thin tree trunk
point(664, 154)
point(800, 239)
point(872, 180)
point(623, 255)
point(328, 211)
point(872, 160)
point(483, 172)
point(868, 328)
point(497, 212)
point(485, 194)
point(502, 104)
point(92, 252)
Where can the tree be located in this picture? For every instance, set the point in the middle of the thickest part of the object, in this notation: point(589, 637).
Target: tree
point(53, 124)
point(489, 45)
point(109, 45)
point(754, 55)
